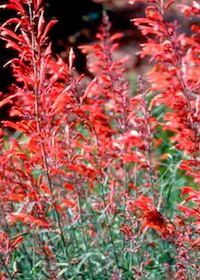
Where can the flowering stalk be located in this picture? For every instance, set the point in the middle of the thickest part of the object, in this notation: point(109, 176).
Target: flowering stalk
point(37, 61)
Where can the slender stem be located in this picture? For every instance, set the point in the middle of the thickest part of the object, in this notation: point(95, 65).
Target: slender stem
point(151, 171)
point(107, 221)
point(83, 234)
point(162, 6)
point(6, 268)
point(131, 255)
point(33, 255)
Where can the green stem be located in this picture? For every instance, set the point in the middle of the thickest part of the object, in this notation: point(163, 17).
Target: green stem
point(109, 228)
point(83, 234)
point(6, 268)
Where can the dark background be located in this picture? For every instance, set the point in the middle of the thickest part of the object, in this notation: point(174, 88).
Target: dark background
point(78, 22)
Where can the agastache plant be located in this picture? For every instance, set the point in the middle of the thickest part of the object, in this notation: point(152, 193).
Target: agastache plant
point(92, 181)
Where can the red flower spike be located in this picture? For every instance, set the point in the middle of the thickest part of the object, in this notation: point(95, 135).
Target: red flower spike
point(152, 218)
point(26, 219)
point(17, 241)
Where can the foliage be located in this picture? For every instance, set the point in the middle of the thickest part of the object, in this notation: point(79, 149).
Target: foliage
point(101, 182)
